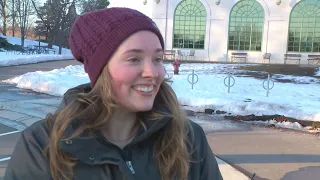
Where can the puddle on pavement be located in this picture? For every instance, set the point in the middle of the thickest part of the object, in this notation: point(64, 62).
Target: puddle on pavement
point(307, 173)
point(216, 123)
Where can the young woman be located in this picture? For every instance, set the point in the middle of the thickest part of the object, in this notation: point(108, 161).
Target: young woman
point(129, 125)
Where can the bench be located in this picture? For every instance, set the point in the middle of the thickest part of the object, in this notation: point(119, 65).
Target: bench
point(292, 57)
point(236, 55)
point(170, 53)
point(191, 54)
point(267, 56)
point(52, 50)
point(314, 58)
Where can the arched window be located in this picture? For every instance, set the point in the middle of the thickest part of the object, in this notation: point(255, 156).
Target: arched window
point(246, 26)
point(189, 25)
point(304, 28)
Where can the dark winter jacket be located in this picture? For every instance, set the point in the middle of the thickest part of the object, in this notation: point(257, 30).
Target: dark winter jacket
point(100, 160)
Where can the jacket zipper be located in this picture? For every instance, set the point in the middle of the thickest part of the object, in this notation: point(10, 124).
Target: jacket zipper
point(129, 164)
point(127, 159)
point(124, 153)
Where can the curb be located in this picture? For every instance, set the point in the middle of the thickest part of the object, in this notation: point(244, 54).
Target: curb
point(228, 172)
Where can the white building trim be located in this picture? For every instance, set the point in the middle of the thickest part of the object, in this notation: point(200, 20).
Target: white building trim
point(275, 33)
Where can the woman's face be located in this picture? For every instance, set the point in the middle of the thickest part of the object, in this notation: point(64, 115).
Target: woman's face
point(137, 71)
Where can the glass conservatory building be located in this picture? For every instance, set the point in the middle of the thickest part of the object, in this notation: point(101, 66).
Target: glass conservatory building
point(215, 29)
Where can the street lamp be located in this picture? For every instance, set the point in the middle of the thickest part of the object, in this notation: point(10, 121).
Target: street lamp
point(217, 2)
point(278, 2)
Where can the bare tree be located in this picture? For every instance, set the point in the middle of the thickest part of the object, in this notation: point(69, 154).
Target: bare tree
point(56, 16)
point(13, 18)
point(10, 16)
point(29, 31)
point(68, 17)
point(45, 24)
point(3, 4)
point(23, 10)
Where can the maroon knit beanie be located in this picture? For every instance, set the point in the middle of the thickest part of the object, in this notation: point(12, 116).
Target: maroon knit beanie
point(95, 36)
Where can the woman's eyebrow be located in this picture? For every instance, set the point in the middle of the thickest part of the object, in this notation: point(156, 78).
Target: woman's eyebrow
point(140, 51)
point(133, 50)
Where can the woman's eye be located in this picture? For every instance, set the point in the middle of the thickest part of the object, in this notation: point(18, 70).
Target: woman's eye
point(159, 59)
point(134, 60)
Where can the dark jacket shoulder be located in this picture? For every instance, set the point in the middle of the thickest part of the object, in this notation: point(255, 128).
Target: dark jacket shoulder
point(28, 160)
point(208, 167)
point(38, 132)
point(71, 95)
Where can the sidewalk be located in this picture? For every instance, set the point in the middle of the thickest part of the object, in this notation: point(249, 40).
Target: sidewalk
point(274, 154)
point(21, 108)
point(230, 173)
point(264, 153)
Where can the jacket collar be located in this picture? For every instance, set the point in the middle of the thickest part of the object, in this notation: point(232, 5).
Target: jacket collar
point(90, 150)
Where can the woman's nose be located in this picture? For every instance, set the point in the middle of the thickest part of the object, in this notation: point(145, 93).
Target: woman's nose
point(150, 70)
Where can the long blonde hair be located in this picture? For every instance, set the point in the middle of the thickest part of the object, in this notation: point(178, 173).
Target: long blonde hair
point(96, 107)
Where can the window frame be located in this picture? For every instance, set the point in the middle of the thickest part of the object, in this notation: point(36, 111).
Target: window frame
point(304, 27)
point(189, 25)
point(245, 33)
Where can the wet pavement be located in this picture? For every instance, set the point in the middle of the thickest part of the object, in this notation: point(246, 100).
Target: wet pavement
point(19, 108)
point(218, 123)
point(275, 154)
point(262, 152)
point(303, 173)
